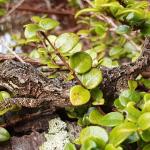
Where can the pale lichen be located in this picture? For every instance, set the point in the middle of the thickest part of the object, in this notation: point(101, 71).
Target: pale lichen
point(58, 135)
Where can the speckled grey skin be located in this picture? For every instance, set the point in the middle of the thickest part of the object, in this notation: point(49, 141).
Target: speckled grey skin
point(30, 88)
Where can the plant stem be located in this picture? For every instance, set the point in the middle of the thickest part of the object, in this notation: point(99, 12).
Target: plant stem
point(61, 57)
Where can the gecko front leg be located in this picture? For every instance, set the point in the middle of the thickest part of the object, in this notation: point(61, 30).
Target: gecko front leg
point(26, 102)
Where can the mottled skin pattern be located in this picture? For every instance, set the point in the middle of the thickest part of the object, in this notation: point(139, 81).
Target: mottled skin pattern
point(30, 88)
point(116, 79)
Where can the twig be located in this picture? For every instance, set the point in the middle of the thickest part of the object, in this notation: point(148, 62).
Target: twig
point(12, 10)
point(51, 11)
point(110, 21)
point(114, 26)
point(11, 51)
point(61, 58)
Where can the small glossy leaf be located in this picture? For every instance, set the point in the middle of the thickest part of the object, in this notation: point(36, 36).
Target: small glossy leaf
point(129, 95)
point(48, 24)
point(112, 119)
point(145, 135)
point(121, 133)
point(81, 62)
point(97, 97)
point(95, 116)
point(146, 147)
point(132, 113)
point(92, 78)
point(31, 30)
point(133, 138)
point(79, 95)
point(4, 135)
point(69, 146)
point(34, 54)
point(66, 42)
point(95, 133)
point(86, 10)
point(111, 147)
point(88, 145)
point(3, 95)
point(132, 84)
point(143, 121)
point(122, 29)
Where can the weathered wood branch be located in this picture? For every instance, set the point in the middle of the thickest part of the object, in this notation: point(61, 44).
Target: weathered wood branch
point(30, 88)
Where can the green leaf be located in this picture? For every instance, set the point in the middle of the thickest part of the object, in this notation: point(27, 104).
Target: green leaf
point(2, 12)
point(146, 147)
point(145, 135)
point(4, 95)
point(69, 146)
point(98, 3)
point(36, 19)
point(66, 42)
point(122, 29)
point(4, 135)
point(3, 1)
point(95, 133)
point(112, 119)
point(132, 113)
point(86, 10)
point(88, 145)
point(81, 62)
point(145, 29)
point(48, 24)
point(121, 133)
point(133, 138)
point(116, 52)
point(95, 117)
point(143, 121)
point(92, 78)
point(111, 147)
point(97, 96)
point(129, 95)
point(79, 95)
point(132, 84)
point(34, 54)
point(31, 30)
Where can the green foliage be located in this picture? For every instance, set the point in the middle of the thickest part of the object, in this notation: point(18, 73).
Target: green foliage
point(79, 95)
point(4, 135)
point(114, 30)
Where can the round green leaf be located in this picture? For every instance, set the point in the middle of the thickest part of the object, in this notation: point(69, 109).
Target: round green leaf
point(81, 62)
point(97, 96)
point(66, 42)
point(112, 119)
point(3, 95)
point(123, 29)
point(121, 133)
point(143, 121)
point(31, 30)
point(146, 147)
point(95, 133)
point(79, 95)
point(4, 135)
point(88, 145)
point(95, 117)
point(92, 78)
point(145, 135)
point(69, 146)
point(129, 95)
point(47, 23)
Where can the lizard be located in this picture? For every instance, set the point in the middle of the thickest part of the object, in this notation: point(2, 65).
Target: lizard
point(31, 88)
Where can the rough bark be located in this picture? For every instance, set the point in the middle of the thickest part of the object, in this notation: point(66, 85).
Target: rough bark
point(30, 88)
